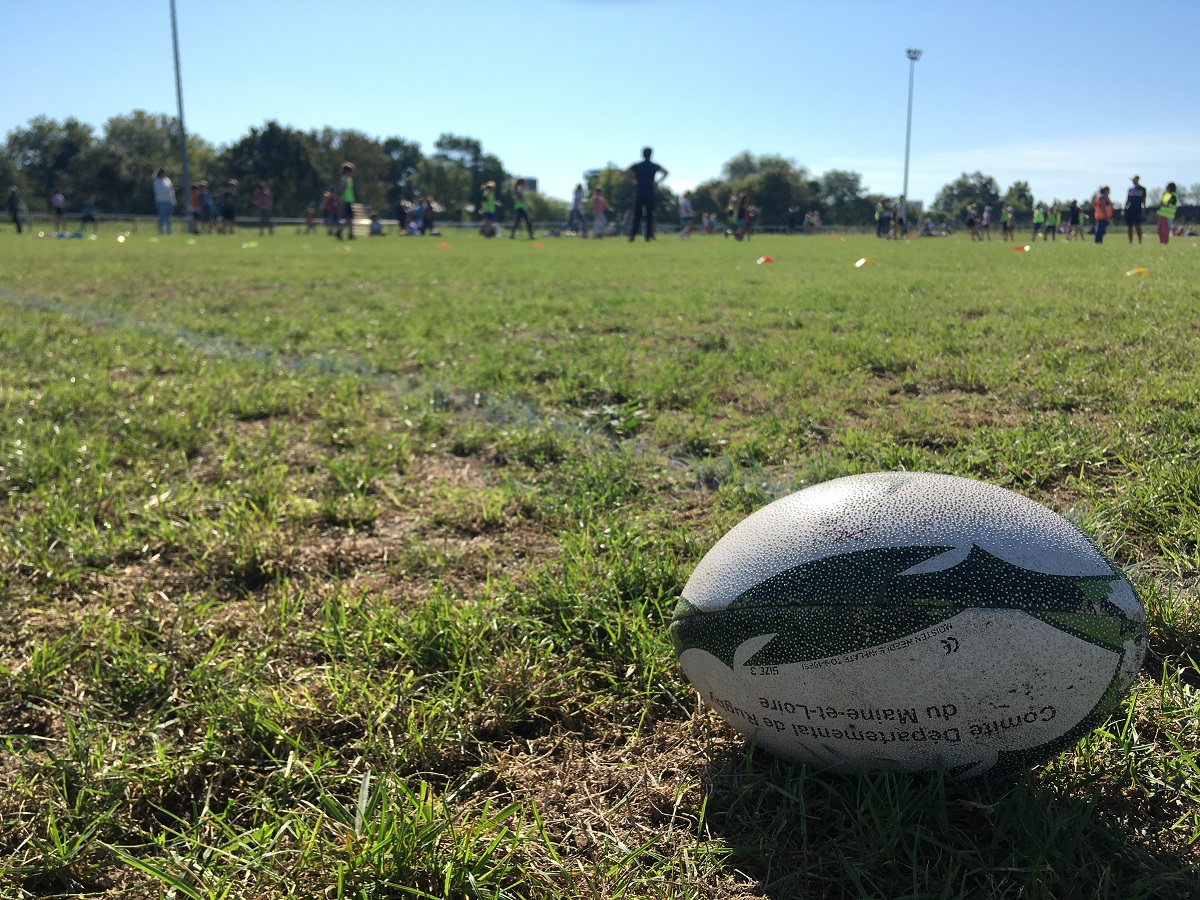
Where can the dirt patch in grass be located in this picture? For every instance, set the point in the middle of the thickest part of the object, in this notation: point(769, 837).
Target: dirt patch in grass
point(617, 790)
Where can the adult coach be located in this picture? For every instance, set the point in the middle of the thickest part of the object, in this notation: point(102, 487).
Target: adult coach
point(1135, 207)
point(645, 175)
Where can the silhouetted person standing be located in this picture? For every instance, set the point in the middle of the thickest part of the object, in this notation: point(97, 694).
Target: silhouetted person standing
point(645, 175)
point(14, 207)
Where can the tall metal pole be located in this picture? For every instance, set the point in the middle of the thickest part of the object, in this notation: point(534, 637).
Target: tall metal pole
point(187, 180)
point(913, 56)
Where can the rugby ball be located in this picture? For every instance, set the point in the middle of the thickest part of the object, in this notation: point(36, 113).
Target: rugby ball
point(909, 621)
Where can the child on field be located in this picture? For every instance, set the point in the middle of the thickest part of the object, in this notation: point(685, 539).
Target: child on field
point(1051, 232)
point(519, 211)
point(265, 204)
point(488, 228)
point(1102, 208)
point(599, 208)
point(57, 204)
point(206, 208)
point(193, 222)
point(88, 215)
point(685, 216)
point(346, 195)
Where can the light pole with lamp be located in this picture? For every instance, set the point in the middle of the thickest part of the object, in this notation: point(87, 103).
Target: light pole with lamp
point(913, 56)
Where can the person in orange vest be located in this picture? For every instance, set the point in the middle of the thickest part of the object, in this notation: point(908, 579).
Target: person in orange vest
point(1103, 208)
point(1166, 213)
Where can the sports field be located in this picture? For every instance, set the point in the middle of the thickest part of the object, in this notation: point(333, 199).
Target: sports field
point(344, 570)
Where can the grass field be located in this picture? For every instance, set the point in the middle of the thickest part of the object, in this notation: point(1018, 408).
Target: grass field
point(344, 570)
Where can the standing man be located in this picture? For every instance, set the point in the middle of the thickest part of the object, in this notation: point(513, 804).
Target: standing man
point(345, 194)
point(1135, 206)
point(645, 175)
point(1166, 213)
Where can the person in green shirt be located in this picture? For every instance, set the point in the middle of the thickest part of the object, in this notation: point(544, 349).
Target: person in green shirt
point(488, 228)
point(1051, 232)
point(519, 211)
point(346, 196)
point(1006, 223)
point(1166, 213)
point(1039, 219)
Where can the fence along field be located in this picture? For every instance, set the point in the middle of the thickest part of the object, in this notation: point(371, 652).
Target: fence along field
point(344, 570)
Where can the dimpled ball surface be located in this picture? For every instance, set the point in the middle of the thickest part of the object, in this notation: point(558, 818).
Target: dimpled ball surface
point(909, 621)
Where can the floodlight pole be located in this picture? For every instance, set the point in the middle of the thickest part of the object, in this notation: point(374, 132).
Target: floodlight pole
point(913, 56)
point(187, 181)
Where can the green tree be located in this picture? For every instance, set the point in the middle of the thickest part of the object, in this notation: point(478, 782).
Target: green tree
point(774, 190)
point(9, 175)
point(546, 210)
point(710, 197)
point(774, 184)
point(278, 156)
point(1020, 197)
point(467, 153)
point(845, 202)
point(328, 148)
point(445, 182)
point(404, 157)
point(975, 188)
point(741, 166)
point(45, 152)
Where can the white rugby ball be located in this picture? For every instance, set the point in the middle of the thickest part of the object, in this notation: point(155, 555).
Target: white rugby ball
point(909, 621)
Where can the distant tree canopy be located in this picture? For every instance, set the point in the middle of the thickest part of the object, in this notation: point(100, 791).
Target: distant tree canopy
point(953, 199)
point(117, 165)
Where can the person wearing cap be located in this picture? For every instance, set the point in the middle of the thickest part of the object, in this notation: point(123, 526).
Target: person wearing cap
point(1166, 213)
point(1103, 209)
point(1135, 205)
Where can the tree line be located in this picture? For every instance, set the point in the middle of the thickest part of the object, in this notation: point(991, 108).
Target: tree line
point(116, 164)
point(983, 190)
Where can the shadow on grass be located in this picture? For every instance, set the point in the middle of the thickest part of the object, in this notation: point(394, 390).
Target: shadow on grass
point(800, 833)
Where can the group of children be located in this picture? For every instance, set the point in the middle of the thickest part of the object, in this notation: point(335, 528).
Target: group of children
point(207, 212)
point(577, 221)
point(891, 218)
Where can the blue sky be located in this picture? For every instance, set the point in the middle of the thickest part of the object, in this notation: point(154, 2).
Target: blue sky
point(1065, 95)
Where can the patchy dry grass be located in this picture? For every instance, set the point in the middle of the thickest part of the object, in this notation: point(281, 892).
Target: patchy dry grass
point(357, 584)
